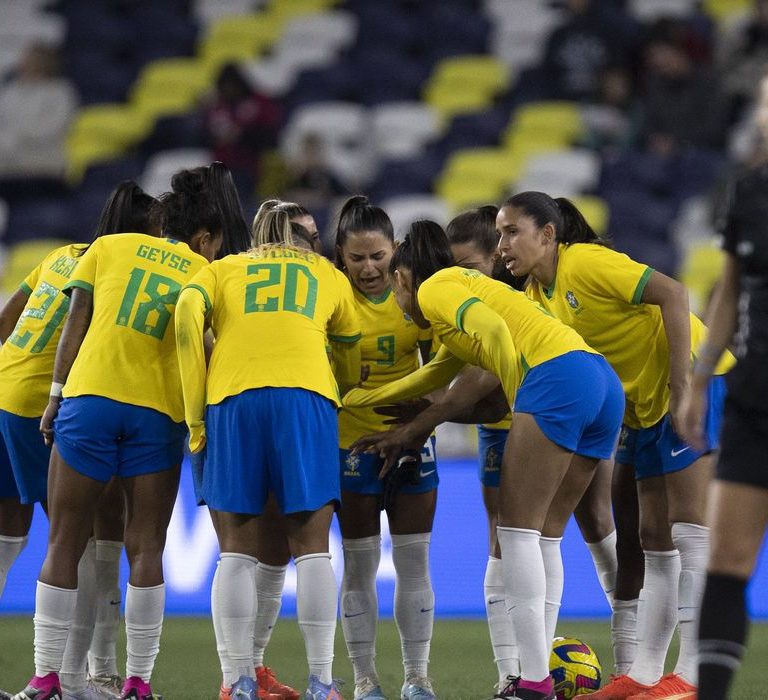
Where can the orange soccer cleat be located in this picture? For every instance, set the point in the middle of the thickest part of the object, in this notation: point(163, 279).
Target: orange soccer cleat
point(669, 687)
point(620, 688)
point(275, 689)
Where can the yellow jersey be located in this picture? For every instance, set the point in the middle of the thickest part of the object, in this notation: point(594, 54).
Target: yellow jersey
point(390, 347)
point(598, 292)
point(129, 351)
point(536, 334)
point(270, 310)
point(26, 358)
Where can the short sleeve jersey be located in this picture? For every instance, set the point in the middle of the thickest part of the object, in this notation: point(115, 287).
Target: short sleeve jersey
point(129, 351)
point(272, 311)
point(390, 348)
point(26, 358)
point(745, 237)
point(537, 335)
point(598, 292)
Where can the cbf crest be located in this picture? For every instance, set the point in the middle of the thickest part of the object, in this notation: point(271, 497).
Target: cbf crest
point(573, 302)
point(352, 465)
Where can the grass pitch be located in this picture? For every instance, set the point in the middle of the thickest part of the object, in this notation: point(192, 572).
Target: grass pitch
point(462, 665)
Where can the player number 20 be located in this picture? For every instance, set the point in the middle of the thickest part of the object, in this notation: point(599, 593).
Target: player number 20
point(269, 276)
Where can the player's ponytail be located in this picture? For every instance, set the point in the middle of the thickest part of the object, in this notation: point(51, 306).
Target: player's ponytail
point(272, 227)
point(222, 187)
point(358, 214)
point(476, 226)
point(570, 224)
point(190, 207)
point(424, 250)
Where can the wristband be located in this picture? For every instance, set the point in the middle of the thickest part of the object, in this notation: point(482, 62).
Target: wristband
point(56, 388)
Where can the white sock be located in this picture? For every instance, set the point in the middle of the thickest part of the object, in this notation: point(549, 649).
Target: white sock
point(73, 666)
point(606, 564)
point(360, 604)
point(54, 610)
point(692, 541)
point(143, 624)
point(624, 634)
point(10, 548)
point(656, 615)
point(221, 646)
point(102, 656)
point(236, 606)
point(316, 607)
point(553, 570)
point(520, 551)
point(269, 593)
point(502, 633)
point(414, 601)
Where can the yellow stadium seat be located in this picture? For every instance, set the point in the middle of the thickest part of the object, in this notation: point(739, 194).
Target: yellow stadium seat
point(473, 71)
point(595, 211)
point(723, 10)
point(554, 116)
point(170, 86)
point(288, 9)
point(701, 269)
point(258, 31)
point(462, 192)
point(83, 152)
point(23, 258)
point(483, 162)
point(449, 101)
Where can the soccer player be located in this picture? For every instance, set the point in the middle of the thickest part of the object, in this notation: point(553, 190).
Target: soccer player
point(542, 365)
point(31, 323)
point(271, 312)
point(739, 495)
point(390, 347)
point(121, 415)
point(639, 319)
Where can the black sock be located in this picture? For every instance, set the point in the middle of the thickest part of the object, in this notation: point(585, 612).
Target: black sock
point(722, 634)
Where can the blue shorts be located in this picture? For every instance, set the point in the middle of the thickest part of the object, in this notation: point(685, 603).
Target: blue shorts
point(585, 422)
point(275, 439)
point(24, 459)
point(360, 472)
point(102, 438)
point(657, 450)
point(490, 450)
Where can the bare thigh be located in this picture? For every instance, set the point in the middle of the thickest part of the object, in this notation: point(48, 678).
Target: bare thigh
point(569, 494)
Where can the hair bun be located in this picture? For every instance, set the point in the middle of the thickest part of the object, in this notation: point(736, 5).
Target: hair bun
point(189, 182)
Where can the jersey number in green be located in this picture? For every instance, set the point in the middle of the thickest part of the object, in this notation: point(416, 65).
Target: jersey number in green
point(152, 316)
point(386, 346)
point(21, 338)
point(272, 278)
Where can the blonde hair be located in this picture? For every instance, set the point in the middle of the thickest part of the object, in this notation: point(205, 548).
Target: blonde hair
point(272, 226)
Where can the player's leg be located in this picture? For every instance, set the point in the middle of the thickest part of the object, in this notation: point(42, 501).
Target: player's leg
point(594, 517)
point(568, 495)
point(273, 555)
point(360, 523)
point(410, 524)
point(15, 521)
point(108, 529)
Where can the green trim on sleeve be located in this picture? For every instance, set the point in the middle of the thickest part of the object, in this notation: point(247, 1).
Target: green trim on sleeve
point(345, 338)
point(460, 312)
point(637, 297)
point(24, 287)
point(208, 305)
point(79, 284)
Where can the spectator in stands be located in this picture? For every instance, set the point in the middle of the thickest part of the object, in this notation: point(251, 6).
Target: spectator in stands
point(683, 102)
point(36, 109)
point(240, 124)
point(312, 182)
point(595, 35)
point(612, 119)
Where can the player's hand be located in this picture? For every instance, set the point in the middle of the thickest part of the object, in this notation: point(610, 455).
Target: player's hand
point(197, 438)
point(693, 413)
point(365, 371)
point(49, 415)
point(403, 412)
point(677, 399)
point(404, 473)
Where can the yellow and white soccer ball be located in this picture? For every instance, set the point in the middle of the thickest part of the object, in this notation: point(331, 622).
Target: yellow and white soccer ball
point(575, 668)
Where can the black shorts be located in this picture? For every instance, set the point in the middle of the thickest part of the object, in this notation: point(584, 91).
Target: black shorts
point(743, 446)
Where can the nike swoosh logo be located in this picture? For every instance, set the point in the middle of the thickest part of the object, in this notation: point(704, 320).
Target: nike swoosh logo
point(424, 474)
point(114, 602)
point(428, 609)
point(493, 602)
point(355, 614)
point(674, 453)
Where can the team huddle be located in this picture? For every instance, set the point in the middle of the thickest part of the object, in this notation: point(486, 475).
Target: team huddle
point(179, 327)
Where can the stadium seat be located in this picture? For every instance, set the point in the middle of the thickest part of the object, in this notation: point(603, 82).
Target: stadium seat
point(337, 29)
point(402, 129)
point(156, 177)
point(547, 118)
point(576, 170)
point(595, 211)
point(207, 12)
point(651, 10)
point(171, 86)
point(24, 257)
point(405, 209)
point(700, 270)
point(724, 10)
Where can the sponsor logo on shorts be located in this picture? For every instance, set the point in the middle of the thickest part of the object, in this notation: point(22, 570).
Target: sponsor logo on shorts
point(674, 453)
point(424, 474)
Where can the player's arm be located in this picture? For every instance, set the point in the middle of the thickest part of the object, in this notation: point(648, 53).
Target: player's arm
point(191, 310)
point(76, 326)
point(672, 298)
point(436, 374)
point(12, 311)
point(721, 325)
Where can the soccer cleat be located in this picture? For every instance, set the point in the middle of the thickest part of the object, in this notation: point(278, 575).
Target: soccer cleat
point(320, 691)
point(272, 689)
point(245, 688)
point(113, 685)
point(136, 689)
point(90, 692)
point(528, 690)
point(684, 696)
point(670, 686)
point(620, 688)
point(45, 687)
point(369, 689)
point(508, 690)
point(417, 689)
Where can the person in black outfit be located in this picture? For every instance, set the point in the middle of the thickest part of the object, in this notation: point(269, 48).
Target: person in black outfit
point(739, 495)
